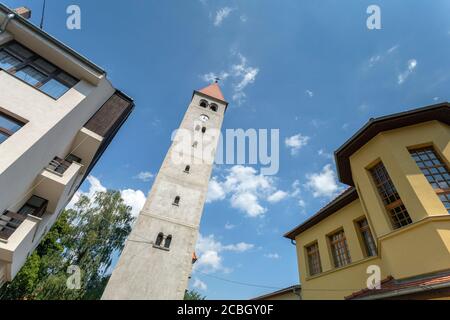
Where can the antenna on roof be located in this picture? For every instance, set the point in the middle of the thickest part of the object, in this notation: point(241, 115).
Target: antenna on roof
point(43, 15)
point(217, 79)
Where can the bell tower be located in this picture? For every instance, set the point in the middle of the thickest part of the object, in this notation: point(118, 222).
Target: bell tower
point(156, 261)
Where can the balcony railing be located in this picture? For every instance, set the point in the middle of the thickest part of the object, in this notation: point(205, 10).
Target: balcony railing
point(60, 166)
point(10, 221)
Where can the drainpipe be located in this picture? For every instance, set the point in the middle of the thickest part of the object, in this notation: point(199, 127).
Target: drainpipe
point(5, 22)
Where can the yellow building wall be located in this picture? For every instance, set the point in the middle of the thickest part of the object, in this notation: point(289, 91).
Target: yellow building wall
point(419, 248)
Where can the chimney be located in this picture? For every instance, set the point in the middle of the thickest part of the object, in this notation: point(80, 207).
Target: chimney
point(24, 12)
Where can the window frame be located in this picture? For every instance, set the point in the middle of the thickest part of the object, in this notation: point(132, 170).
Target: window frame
point(440, 192)
point(315, 254)
point(396, 204)
point(364, 244)
point(13, 118)
point(31, 62)
point(335, 250)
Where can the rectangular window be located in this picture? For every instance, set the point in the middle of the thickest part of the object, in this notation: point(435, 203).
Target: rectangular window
point(366, 237)
point(436, 172)
point(8, 126)
point(339, 249)
point(312, 252)
point(397, 212)
point(34, 70)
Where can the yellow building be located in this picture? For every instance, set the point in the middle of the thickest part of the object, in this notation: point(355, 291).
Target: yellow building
point(391, 227)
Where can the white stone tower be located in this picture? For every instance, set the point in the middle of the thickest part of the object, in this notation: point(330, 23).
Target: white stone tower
point(156, 262)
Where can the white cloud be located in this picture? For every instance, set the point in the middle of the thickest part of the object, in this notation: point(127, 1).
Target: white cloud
point(209, 251)
point(215, 191)
point(412, 64)
point(375, 59)
point(198, 284)
point(296, 142)
point(277, 196)
point(243, 18)
point(229, 226)
point(221, 15)
point(272, 256)
point(309, 93)
point(324, 183)
point(133, 198)
point(246, 189)
point(242, 76)
point(145, 176)
point(324, 154)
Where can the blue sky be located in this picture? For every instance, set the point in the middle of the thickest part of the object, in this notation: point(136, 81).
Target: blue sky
point(309, 68)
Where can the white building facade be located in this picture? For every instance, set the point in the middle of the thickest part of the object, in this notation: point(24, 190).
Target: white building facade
point(58, 113)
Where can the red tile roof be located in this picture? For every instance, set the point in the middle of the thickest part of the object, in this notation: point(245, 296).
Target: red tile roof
point(391, 285)
point(213, 90)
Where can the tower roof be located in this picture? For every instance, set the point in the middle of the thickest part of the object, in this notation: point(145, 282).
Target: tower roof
point(213, 90)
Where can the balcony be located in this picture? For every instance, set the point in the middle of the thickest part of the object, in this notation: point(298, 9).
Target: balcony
point(10, 221)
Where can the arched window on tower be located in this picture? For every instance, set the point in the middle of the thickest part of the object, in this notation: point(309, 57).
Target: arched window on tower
point(168, 242)
point(159, 239)
point(176, 201)
point(203, 103)
point(197, 127)
point(203, 129)
point(187, 169)
point(213, 107)
point(195, 144)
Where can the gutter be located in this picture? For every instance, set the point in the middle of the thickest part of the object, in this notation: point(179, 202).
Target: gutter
point(48, 37)
point(8, 18)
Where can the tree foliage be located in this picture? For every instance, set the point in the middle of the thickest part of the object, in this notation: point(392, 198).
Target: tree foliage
point(87, 236)
point(193, 295)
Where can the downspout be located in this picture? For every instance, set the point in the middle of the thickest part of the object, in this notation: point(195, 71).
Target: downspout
point(8, 18)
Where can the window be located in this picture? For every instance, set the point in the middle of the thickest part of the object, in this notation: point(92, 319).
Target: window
point(197, 128)
point(8, 126)
point(339, 249)
point(366, 237)
point(195, 144)
point(203, 103)
point(436, 172)
point(168, 242)
point(214, 107)
point(159, 239)
point(313, 255)
point(37, 72)
point(35, 206)
point(203, 129)
point(187, 169)
point(398, 214)
point(61, 165)
point(176, 201)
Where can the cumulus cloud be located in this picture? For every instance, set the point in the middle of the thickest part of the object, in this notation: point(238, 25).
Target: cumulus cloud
point(296, 142)
point(277, 196)
point(245, 189)
point(221, 15)
point(229, 226)
point(145, 176)
point(324, 183)
point(133, 198)
point(412, 64)
point(209, 252)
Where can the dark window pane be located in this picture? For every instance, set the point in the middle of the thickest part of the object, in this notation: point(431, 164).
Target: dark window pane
point(30, 75)
point(3, 137)
point(7, 61)
point(20, 50)
point(68, 80)
point(8, 124)
point(45, 66)
point(54, 88)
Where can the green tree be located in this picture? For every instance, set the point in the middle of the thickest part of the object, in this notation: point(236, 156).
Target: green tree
point(87, 237)
point(193, 295)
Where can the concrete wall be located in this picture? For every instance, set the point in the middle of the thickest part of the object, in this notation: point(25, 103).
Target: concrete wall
point(146, 272)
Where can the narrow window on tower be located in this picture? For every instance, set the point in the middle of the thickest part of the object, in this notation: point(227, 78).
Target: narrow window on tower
point(203, 103)
point(195, 144)
point(168, 242)
point(213, 107)
point(187, 169)
point(391, 199)
point(436, 172)
point(203, 129)
point(176, 201)
point(159, 239)
point(197, 127)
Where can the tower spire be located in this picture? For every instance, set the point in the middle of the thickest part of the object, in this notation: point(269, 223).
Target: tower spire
point(213, 90)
